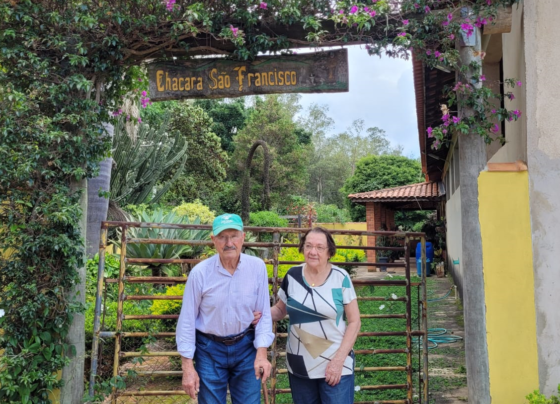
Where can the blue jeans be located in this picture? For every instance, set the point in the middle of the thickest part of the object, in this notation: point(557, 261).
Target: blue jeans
point(219, 365)
point(317, 391)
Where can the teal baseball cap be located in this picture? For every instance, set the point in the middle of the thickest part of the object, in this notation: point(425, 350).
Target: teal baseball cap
point(225, 222)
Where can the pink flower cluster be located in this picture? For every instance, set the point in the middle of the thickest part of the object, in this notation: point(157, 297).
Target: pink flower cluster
point(263, 5)
point(144, 100)
point(480, 22)
point(117, 113)
point(467, 27)
point(460, 87)
point(170, 5)
point(234, 30)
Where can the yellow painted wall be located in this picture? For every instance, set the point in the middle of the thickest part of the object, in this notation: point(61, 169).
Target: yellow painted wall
point(347, 240)
point(508, 285)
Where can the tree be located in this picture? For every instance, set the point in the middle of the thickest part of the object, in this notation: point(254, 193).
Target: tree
point(334, 157)
point(206, 165)
point(272, 120)
point(228, 118)
point(378, 172)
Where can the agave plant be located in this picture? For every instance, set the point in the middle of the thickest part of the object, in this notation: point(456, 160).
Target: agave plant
point(165, 251)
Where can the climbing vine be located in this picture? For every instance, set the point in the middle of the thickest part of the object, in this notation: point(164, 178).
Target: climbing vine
point(65, 67)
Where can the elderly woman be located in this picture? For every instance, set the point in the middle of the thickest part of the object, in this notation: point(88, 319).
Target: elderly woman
point(318, 296)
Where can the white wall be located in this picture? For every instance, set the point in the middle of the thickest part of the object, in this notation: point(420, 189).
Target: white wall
point(543, 151)
point(454, 238)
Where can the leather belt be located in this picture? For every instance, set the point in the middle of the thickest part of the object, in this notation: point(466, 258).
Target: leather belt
point(229, 340)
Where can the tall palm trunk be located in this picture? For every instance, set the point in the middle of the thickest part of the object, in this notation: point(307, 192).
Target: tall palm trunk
point(98, 206)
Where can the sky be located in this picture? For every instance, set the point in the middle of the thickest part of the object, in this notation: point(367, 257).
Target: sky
point(381, 93)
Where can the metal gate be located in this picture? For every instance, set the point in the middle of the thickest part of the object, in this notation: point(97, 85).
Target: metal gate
point(146, 367)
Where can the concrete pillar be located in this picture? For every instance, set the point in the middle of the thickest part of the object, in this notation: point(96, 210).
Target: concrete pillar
point(542, 58)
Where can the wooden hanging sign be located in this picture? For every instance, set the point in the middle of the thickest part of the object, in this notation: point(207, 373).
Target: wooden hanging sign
point(320, 72)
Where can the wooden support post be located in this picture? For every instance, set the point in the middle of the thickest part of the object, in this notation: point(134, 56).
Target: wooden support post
point(472, 160)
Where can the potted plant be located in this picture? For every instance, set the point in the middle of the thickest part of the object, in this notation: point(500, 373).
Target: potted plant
point(383, 255)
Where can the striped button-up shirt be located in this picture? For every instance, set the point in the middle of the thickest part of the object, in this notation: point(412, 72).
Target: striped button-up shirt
point(217, 302)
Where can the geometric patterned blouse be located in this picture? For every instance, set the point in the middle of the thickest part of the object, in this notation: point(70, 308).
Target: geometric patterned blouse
point(317, 321)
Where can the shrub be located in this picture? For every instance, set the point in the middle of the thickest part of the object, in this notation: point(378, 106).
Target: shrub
point(537, 398)
point(267, 219)
point(195, 210)
point(112, 267)
point(331, 214)
point(168, 306)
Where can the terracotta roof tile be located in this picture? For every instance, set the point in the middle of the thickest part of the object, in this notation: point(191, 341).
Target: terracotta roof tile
point(423, 190)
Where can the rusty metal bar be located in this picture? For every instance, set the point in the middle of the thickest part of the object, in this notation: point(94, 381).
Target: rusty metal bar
point(153, 297)
point(112, 334)
point(280, 371)
point(424, 299)
point(258, 229)
point(275, 257)
point(366, 352)
point(382, 299)
point(375, 387)
point(97, 316)
point(383, 315)
point(176, 316)
point(408, 320)
point(120, 300)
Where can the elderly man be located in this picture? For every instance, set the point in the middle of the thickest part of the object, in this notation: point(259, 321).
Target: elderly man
point(214, 327)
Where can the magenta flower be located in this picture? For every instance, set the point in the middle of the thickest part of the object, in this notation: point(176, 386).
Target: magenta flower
point(428, 52)
point(263, 5)
point(482, 77)
point(427, 9)
point(519, 84)
point(144, 93)
point(496, 128)
point(480, 22)
point(139, 79)
point(444, 131)
point(517, 113)
point(354, 9)
point(449, 17)
point(468, 28)
point(170, 4)
point(436, 145)
point(366, 9)
point(510, 96)
point(445, 118)
point(405, 22)
point(139, 120)
point(402, 34)
point(452, 37)
point(489, 2)
point(341, 12)
point(456, 120)
point(416, 5)
point(430, 130)
point(373, 13)
point(437, 54)
point(493, 111)
point(445, 23)
point(233, 30)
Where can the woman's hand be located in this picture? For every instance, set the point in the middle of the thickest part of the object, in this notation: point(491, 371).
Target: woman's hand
point(258, 316)
point(334, 371)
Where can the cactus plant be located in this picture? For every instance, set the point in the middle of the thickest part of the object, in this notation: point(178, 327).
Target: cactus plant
point(141, 164)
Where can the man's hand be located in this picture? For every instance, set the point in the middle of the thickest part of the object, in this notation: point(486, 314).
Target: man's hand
point(191, 381)
point(258, 316)
point(261, 362)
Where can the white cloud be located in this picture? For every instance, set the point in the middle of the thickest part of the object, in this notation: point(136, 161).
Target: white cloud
point(381, 93)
